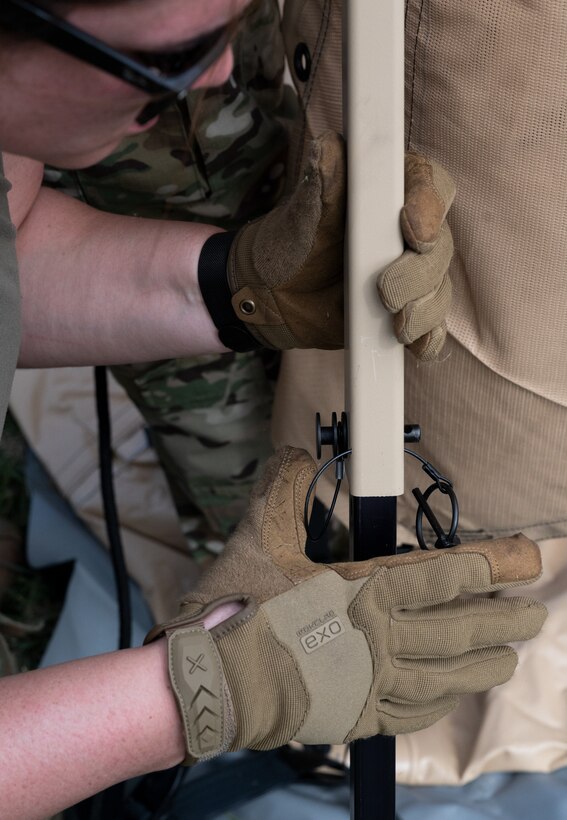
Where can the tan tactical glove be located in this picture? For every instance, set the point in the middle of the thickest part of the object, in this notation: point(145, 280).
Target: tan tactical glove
point(279, 282)
point(330, 653)
point(416, 287)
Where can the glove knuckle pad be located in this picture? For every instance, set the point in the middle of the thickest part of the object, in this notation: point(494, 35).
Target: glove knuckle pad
point(414, 276)
point(425, 314)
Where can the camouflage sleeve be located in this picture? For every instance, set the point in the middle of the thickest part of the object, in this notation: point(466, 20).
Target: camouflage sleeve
point(219, 157)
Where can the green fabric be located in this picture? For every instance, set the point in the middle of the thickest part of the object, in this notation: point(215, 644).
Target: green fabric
point(209, 422)
point(216, 157)
point(9, 299)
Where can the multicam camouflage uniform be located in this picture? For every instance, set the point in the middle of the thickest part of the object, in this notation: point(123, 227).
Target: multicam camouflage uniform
point(217, 157)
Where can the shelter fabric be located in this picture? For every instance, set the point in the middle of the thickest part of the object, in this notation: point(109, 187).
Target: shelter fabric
point(485, 97)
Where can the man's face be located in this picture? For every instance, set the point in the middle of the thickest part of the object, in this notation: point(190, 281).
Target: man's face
point(62, 111)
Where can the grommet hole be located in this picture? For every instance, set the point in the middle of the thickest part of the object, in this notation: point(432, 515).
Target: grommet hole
point(302, 62)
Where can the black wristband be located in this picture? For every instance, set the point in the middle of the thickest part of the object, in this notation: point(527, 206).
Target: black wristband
point(213, 282)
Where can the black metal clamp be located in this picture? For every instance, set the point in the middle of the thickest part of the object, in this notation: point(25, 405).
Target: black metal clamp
point(336, 436)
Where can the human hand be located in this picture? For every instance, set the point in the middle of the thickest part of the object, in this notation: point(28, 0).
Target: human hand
point(281, 282)
point(328, 653)
point(285, 269)
point(416, 287)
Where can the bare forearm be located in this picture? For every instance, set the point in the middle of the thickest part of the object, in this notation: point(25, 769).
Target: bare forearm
point(104, 289)
point(72, 730)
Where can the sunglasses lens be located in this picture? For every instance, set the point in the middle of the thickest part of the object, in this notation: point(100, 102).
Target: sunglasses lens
point(174, 63)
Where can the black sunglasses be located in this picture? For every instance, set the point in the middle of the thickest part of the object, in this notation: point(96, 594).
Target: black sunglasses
point(168, 74)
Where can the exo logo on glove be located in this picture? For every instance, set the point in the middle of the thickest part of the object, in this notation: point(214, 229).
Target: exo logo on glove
point(323, 634)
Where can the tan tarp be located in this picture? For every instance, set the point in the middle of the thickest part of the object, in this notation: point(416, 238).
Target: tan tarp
point(485, 96)
point(56, 411)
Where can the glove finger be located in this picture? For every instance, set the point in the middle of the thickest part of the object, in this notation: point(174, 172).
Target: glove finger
point(418, 318)
point(412, 276)
point(328, 159)
point(284, 239)
point(475, 671)
point(429, 192)
point(399, 718)
point(428, 347)
point(281, 504)
point(423, 578)
point(455, 628)
point(265, 555)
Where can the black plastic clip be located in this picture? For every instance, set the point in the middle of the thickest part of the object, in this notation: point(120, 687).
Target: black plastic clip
point(444, 486)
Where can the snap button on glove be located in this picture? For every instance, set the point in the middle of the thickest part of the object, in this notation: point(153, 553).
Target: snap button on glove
point(288, 264)
point(416, 287)
point(328, 653)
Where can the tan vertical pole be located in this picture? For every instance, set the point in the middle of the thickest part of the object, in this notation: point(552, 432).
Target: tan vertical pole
point(374, 127)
